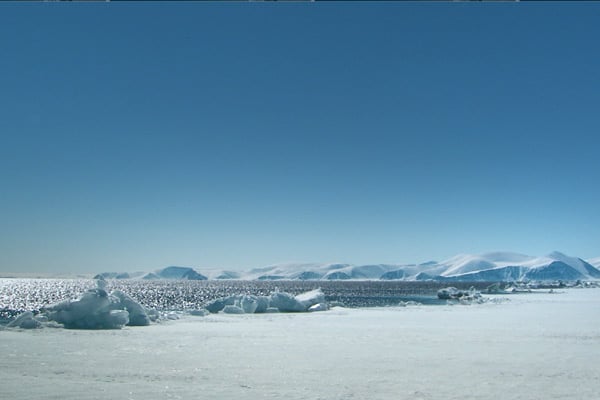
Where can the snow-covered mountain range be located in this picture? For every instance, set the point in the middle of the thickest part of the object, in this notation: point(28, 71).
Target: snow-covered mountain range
point(595, 262)
point(496, 266)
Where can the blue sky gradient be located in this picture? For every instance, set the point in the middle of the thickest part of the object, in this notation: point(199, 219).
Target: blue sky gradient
point(135, 136)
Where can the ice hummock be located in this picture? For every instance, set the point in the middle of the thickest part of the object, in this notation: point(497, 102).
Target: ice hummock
point(97, 309)
point(313, 300)
point(25, 320)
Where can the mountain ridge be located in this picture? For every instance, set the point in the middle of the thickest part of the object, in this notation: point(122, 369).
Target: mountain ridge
point(492, 266)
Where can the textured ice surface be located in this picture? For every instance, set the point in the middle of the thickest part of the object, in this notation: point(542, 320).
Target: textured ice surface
point(280, 301)
point(536, 346)
point(25, 321)
point(95, 309)
point(137, 313)
point(249, 304)
point(311, 298)
point(233, 310)
point(285, 302)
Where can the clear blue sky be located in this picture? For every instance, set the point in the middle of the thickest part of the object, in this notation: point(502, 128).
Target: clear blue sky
point(135, 136)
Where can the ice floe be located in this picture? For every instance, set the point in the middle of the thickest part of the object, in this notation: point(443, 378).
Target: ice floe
point(313, 300)
point(94, 309)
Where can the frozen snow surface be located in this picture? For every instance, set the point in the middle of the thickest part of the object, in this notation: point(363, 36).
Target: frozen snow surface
point(534, 346)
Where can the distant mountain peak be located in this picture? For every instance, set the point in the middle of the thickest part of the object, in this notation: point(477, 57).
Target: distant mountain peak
point(558, 255)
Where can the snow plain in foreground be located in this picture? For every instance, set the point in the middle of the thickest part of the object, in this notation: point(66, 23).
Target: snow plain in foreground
point(535, 346)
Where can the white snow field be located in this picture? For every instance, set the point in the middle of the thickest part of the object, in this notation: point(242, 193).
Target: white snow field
point(535, 346)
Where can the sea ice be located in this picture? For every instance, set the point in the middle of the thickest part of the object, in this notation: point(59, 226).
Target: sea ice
point(249, 304)
point(199, 312)
point(215, 306)
point(318, 307)
point(535, 346)
point(309, 299)
point(96, 309)
point(137, 313)
point(25, 320)
point(279, 301)
point(233, 310)
point(91, 311)
point(452, 293)
point(262, 304)
point(285, 302)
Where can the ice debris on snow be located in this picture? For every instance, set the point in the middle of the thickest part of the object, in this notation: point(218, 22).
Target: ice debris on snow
point(25, 321)
point(95, 309)
point(313, 300)
point(249, 304)
point(233, 310)
point(137, 314)
point(409, 303)
point(199, 313)
point(453, 295)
